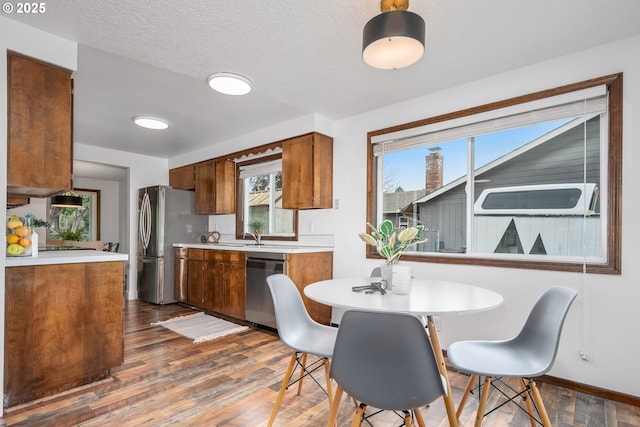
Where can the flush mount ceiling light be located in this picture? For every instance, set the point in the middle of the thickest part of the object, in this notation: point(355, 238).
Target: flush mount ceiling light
point(229, 83)
point(150, 122)
point(66, 200)
point(395, 38)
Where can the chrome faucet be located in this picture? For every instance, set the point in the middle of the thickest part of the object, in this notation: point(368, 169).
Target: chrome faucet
point(257, 237)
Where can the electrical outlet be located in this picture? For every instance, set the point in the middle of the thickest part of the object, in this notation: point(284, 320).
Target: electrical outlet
point(336, 204)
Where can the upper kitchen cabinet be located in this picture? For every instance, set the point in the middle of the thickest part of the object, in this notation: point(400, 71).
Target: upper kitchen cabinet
point(225, 185)
point(215, 187)
point(307, 172)
point(183, 178)
point(39, 145)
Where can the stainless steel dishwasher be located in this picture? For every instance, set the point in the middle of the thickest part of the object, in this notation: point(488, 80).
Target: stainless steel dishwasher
point(259, 305)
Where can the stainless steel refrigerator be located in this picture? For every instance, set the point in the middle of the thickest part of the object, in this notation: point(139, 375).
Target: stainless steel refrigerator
point(165, 216)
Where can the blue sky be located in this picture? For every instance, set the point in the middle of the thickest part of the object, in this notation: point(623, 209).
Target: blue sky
point(408, 167)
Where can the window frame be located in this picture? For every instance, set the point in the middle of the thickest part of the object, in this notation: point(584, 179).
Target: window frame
point(613, 263)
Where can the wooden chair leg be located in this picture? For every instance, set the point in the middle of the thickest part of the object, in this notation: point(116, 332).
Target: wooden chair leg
point(544, 417)
point(335, 406)
point(527, 401)
point(484, 396)
point(283, 387)
point(357, 417)
point(327, 368)
point(418, 414)
point(304, 364)
point(465, 396)
point(407, 419)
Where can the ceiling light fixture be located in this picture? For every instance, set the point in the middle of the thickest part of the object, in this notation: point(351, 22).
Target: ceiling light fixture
point(395, 38)
point(150, 122)
point(66, 200)
point(229, 83)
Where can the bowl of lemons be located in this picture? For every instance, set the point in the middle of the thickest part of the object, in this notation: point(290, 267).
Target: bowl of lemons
point(18, 237)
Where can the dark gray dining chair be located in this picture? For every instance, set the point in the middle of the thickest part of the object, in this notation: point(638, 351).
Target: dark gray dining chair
point(529, 354)
point(303, 335)
point(384, 360)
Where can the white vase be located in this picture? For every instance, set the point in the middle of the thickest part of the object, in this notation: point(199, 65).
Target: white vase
point(398, 277)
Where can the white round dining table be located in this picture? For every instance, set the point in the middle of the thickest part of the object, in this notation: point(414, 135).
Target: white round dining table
point(427, 298)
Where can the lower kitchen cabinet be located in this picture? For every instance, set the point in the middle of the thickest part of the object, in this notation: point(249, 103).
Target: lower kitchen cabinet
point(225, 283)
point(64, 327)
point(216, 279)
point(196, 277)
point(307, 268)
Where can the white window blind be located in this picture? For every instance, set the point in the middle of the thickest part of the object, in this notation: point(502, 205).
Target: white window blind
point(264, 168)
point(574, 104)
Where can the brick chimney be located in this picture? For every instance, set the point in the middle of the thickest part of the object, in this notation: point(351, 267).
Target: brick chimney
point(433, 176)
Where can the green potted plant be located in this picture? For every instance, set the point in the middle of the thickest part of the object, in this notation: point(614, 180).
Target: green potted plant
point(391, 244)
point(256, 226)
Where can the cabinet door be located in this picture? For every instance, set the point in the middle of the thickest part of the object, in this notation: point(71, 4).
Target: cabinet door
point(307, 268)
point(39, 146)
point(235, 285)
point(225, 187)
point(183, 178)
point(214, 283)
point(205, 197)
point(195, 277)
point(307, 172)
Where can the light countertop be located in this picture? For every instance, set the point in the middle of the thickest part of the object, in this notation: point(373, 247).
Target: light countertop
point(65, 257)
point(281, 248)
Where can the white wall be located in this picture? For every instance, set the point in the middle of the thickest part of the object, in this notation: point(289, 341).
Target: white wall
point(29, 41)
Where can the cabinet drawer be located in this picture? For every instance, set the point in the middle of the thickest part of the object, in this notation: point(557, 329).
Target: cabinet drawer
point(225, 256)
point(196, 254)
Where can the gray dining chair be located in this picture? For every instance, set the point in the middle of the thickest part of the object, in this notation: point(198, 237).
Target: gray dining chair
point(384, 360)
point(303, 335)
point(527, 355)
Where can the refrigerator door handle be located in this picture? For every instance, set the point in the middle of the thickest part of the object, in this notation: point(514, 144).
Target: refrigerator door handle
point(145, 221)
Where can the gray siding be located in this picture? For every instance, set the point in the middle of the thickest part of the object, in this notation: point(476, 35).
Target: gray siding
point(559, 160)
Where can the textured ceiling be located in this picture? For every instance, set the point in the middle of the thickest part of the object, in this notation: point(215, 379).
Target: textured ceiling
point(153, 57)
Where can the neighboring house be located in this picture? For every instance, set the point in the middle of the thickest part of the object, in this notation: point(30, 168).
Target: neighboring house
point(551, 159)
point(395, 205)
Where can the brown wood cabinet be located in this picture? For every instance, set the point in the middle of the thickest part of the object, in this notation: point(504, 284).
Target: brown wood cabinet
point(215, 187)
point(225, 187)
point(63, 327)
point(307, 172)
point(306, 268)
point(183, 178)
point(205, 178)
point(226, 282)
point(39, 143)
point(196, 277)
point(215, 280)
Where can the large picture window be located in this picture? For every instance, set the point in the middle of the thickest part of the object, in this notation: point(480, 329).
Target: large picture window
point(530, 182)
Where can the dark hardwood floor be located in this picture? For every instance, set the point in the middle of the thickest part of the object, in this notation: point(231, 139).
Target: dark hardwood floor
point(166, 380)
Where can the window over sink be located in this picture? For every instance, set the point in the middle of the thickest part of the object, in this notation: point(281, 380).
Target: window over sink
point(260, 200)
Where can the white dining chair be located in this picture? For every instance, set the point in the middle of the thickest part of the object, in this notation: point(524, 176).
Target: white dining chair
point(303, 335)
point(527, 355)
